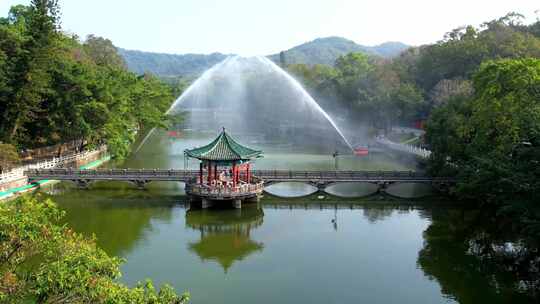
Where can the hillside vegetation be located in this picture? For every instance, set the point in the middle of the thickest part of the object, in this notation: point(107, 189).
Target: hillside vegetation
point(327, 50)
point(55, 89)
point(479, 90)
point(318, 51)
point(164, 65)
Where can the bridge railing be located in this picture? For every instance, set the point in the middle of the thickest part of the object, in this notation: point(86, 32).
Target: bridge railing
point(424, 153)
point(225, 190)
point(289, 174)
point(18, 173)
point(267, 175)
point(127, 173)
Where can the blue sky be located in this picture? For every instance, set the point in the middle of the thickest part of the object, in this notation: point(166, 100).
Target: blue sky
point(253, 27)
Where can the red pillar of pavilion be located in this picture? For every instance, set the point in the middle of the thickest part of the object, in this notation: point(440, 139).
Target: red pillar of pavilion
point(234, 174)
point(248, 179)
point(209, 167)
point(215, 172)
point(200, 173)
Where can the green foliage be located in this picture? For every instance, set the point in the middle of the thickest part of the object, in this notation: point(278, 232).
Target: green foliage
point(169, 65)
point(9, 156)
point(102, 51)
point(44, 262)
point(464, 49)
point(410, 87)
point(492, 139)
point(371, 89)
point(54, 89)
point(327, 50)
point(178, 84)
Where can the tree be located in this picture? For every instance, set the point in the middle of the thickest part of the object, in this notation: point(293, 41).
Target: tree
point(103, 52)
point(446, 89)
point(30, 78)
point(493, 138)
point(9, 157)
point(43, 262)
point(54, 89)
point(282, 61)
point(352, 81)
point(463, 50)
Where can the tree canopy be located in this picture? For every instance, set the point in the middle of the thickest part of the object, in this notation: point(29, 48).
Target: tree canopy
point(54, 88)
point(43, 262)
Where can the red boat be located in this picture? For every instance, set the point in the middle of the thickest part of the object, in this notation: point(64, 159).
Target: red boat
point(361, 151)
point(173, 133)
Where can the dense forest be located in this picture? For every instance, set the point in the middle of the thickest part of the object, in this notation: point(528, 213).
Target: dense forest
point(478, 89)
point(54, 88)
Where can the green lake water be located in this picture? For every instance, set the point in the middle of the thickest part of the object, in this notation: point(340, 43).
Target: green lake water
point(288, 250)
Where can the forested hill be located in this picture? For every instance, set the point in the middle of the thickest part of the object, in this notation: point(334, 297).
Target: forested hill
point(327, 50)
point(318, 51)
point(169, 64)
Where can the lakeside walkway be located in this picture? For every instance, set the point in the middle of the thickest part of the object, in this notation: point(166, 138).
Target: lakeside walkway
point(15, 181)
point(404, 146)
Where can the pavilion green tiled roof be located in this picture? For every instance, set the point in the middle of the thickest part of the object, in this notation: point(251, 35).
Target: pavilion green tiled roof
point(223, 148)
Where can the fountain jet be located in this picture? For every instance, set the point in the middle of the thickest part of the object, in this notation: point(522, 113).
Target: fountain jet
point(255, 96)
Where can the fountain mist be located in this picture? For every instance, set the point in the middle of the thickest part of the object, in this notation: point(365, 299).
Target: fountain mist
point(255, 97)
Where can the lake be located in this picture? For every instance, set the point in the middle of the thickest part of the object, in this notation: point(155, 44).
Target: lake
point(318, 249)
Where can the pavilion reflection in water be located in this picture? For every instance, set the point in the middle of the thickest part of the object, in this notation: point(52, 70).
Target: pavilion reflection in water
point(225, 234)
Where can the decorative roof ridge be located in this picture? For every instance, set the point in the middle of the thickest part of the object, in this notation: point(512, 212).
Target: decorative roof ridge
point(224, 135)
point(223, 142)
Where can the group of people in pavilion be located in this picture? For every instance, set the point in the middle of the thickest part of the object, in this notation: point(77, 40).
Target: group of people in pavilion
point(224, 165)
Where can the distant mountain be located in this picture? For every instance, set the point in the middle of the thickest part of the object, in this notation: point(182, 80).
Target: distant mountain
point(327, 50)
point(389, 49)
point(318, 51)
point(169, 64)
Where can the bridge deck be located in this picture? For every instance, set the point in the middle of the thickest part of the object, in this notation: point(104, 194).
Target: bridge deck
point(266, 175)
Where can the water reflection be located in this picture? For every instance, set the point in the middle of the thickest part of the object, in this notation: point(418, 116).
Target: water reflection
point(290, 189)
point(475, 261)
point(117, 218)
point(378, 213)
point(410, 190)
point(225, 234)
point(351, 189)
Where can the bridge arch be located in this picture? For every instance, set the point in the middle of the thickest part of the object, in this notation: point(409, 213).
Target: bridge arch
point(290, 189)
point(351, 189)
point(410, 190)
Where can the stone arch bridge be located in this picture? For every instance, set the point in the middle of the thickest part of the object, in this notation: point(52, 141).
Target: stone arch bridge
point(319, 179)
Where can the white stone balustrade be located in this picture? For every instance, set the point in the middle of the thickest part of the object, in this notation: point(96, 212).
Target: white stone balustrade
point(421, 152)
point(56, 162)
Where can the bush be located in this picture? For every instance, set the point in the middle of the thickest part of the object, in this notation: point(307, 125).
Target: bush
point(8, 157)
point(44, 262)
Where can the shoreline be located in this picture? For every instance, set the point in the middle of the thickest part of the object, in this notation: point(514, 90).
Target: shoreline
point(17, 191)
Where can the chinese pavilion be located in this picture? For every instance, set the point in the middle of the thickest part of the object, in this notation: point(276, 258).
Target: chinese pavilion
point(224, 173)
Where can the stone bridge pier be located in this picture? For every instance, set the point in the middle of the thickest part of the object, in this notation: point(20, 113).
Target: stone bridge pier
point(140, 183)
point(82, 183)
